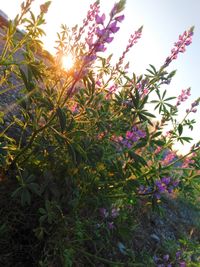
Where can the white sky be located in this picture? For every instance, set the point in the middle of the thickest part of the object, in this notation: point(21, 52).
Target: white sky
point(163, 21)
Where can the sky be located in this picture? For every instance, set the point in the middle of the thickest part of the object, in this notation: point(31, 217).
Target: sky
point(162, 22)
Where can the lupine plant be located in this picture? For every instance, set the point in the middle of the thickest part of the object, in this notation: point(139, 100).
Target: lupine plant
point(80, 153)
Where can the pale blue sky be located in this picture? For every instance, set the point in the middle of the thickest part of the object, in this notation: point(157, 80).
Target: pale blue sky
point(163, 21)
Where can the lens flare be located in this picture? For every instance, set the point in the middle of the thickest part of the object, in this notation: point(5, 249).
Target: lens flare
point(67, 62)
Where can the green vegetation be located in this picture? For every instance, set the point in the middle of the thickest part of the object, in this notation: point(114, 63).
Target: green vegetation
point(88, 176)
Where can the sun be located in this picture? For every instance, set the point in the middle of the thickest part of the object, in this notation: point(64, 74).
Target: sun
point(67, 62)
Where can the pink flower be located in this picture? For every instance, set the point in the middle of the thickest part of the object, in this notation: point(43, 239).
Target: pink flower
point(183, 96)
point(98, 83)
point(184, 40)
point(158, 149)
point(74, 108)
point(132, 40)
point(168, 158)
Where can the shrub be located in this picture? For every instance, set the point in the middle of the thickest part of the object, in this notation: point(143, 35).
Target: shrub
point(82, 149)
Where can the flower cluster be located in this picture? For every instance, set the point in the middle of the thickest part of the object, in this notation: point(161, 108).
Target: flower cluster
point(165, 261)
point(179, 47)
point(109, 216)
point(133, 136)
point(132, 40)
point(193, 107)
point(165, 184)
point(188, 161)
point(117, 139)
point(183, 96)
point(74, 108)
point(112, 89)
point(145, 190)
point(168, 158)
point(100, 35)
point(142, 87)
point(158, 150)
point(92, 12)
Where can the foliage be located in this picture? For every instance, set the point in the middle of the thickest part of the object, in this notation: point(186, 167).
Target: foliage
point(89, 157)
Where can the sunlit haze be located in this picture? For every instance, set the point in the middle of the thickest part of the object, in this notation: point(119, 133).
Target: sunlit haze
point(163, 21)
point(67, 62)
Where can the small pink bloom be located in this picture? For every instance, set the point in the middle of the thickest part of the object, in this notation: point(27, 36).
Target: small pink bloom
point(158, 149)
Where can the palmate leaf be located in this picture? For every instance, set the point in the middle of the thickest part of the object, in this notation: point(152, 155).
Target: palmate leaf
point(184, 139)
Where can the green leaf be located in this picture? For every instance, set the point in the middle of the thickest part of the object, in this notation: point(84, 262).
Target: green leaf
point(35, 188)
point(140, 144)
point(156, 134)
point(180, 129)
point(171, 74)
point(62, 118)
point(23, 76)
point(17, 192)
point(153, 68)
point(81, 151)
point(137, 158)
point(158, 142)
point(72, 152)
point(25, 197)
